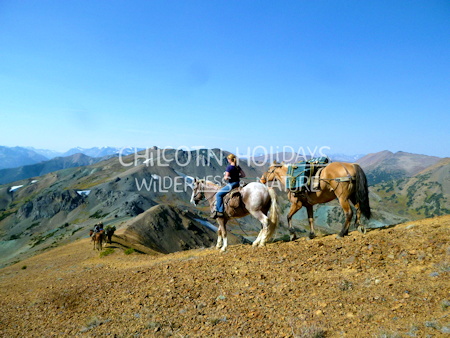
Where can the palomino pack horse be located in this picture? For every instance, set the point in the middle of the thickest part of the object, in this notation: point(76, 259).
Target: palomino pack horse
point(344, 181)
point(256, 199)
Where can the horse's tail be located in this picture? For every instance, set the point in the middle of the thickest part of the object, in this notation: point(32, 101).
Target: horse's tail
point(274, 213)
point(362, 192)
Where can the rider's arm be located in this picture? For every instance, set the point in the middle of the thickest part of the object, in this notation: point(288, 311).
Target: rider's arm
point(226, 176)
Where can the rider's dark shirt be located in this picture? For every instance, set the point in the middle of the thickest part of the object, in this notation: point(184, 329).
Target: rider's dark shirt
point(234, 173)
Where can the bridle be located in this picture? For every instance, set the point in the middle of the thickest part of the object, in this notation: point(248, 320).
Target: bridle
point(271, 170)
point(201, 193)
point(199, 198)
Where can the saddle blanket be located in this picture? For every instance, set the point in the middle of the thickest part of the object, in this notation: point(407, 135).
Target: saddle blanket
point(299, 174)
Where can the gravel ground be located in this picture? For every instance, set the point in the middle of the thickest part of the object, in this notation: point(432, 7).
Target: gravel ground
point(388, 283)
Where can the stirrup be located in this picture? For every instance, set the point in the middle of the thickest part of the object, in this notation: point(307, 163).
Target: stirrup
point(216, 214)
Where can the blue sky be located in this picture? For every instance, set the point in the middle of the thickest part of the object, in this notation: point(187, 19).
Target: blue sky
point(354, 76)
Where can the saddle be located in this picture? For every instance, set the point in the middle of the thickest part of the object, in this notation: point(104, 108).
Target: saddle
point(233, 202)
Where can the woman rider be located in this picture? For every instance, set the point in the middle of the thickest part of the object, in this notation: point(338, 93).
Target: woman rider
point(232, 175)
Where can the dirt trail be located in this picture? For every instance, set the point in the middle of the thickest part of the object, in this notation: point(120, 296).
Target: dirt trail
point(389, 282)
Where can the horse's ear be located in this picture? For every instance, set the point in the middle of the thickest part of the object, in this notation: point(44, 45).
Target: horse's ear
point(274, 162)
point(282, 163)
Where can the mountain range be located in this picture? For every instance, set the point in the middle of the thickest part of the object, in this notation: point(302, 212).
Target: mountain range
point(386, 165)
point(45, 167)
point(50, 209)
point(13, 157)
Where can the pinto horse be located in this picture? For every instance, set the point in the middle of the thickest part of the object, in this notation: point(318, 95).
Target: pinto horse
point(97, 238)
point(257, 200)
point(344, 181)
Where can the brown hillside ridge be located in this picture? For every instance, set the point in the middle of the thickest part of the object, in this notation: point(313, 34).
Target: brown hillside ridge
point(409, 164)
point(389, 282)
point(442, 163)
point(167, 229)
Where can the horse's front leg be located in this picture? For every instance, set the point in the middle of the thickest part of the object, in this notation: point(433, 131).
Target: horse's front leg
point(310, 211)
point(295, 206)
point(219, 239)
point(222, 240)
point(262, 236)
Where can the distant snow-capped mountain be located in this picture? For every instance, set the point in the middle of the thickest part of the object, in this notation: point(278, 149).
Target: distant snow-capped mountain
point(14, 157)
point(100, 151)
point(289, 157)
point(49, 154)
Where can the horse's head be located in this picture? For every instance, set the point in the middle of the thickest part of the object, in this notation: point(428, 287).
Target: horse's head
point(270, 174)
point(198, 192)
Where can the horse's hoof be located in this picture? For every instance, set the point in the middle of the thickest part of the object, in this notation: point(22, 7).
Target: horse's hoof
point(362, 229)
point(293, 237)
point(312, 235)
point(223, 250)
point(339, 236)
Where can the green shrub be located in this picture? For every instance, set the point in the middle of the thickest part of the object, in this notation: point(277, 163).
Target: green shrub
point(445, 304)
point(98, 214)
point(4, 214)
point(106, 252)
point(129, 251)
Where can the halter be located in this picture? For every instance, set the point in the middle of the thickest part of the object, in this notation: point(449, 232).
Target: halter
point(270, 171)
point(202, 194)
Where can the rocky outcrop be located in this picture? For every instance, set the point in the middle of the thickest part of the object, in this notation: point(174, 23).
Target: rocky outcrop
point(48, 205)
point(168, 229)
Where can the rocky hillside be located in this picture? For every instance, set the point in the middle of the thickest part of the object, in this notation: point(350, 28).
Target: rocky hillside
point(59, 207)
point(426, 194)
point(388, 283)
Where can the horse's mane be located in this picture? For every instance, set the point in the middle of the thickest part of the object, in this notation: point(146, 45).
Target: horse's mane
point(278, 165)
point(209, 183)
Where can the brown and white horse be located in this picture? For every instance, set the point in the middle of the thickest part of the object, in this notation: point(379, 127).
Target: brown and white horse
point(97, 238)
point(258, 201)
point(344, 181)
